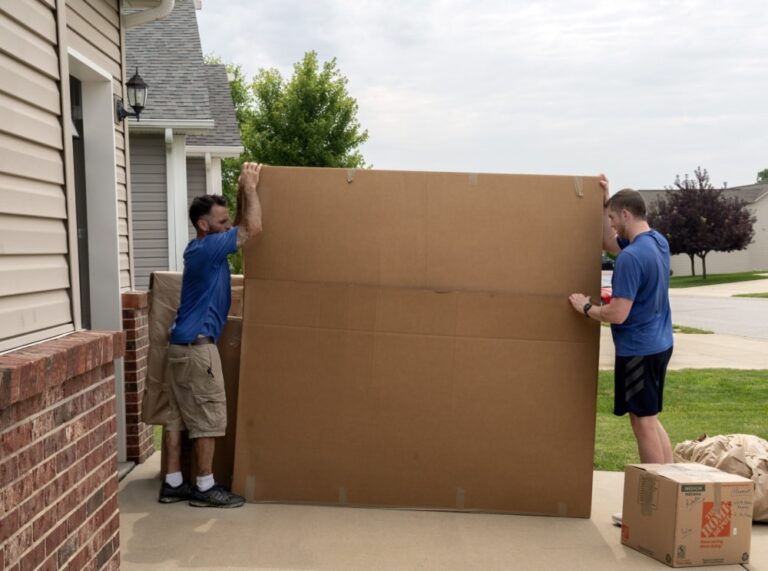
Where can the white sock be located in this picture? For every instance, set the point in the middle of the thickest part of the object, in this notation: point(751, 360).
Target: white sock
point(174, 479)
point(205, 483)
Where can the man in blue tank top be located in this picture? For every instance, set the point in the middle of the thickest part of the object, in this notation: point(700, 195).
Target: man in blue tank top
point(197, 402)
point(640, 318)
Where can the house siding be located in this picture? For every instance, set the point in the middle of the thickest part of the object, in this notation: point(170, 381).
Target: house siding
point(149, 207)
point(35, 284)
point(94, 30)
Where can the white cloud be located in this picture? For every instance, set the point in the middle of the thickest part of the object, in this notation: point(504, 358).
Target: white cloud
point(641, 90)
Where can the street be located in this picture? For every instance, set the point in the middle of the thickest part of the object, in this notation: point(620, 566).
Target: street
point(741, 316)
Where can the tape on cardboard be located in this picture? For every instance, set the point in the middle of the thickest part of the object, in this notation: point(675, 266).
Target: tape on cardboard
point(459, 499)
point(562, 509)
point(250, 487)
point(350, 175)
point(578, 186)
point(472, 178)
point(343, 496)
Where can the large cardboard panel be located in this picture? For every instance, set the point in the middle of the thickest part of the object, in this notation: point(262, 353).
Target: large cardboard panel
point(687, 515)
point(444, 231)
point(381, 396)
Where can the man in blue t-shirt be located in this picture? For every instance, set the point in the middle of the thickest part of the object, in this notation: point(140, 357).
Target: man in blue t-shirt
point(640, 318)
point(197, 402)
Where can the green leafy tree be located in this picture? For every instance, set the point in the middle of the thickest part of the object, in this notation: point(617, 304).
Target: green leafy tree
point(309, 120)
point(762, 176)
point(698, 218)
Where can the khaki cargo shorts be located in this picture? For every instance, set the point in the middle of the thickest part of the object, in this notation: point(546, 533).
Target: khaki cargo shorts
point(195, 381)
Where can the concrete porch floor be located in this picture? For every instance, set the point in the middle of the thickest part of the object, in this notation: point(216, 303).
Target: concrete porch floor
point(155, 536)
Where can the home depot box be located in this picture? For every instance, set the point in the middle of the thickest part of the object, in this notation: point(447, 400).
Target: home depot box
point(687, 514)
point(407, 342)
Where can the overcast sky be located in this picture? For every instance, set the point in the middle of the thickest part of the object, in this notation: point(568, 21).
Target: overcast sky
point(640, 90)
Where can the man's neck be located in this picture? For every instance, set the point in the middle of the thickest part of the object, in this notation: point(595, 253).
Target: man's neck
point(636, 229)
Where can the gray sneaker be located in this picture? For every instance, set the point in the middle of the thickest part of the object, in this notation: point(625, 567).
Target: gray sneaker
point(170, 495)
point(216, 497)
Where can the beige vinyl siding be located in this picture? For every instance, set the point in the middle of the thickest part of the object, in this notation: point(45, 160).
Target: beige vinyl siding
point(35, 296)
point(93, 28)
point(36, 293)
point(150, 207)
point(195, 185)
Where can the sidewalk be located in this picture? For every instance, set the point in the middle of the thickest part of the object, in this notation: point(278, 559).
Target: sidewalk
point(697, 351)
point(160, 537)
point(157, 537)
point(722, 290)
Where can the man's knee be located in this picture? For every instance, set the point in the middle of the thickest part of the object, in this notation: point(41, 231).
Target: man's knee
point(644, 424)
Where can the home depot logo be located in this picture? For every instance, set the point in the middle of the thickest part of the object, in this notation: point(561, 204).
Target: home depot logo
point(716, 523)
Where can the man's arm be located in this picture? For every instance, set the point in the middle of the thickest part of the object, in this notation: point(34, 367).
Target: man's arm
point(609, 236)
point(248, 204)
point(615, 312)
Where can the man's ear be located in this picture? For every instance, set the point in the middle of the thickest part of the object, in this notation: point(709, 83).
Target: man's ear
point(202, 225)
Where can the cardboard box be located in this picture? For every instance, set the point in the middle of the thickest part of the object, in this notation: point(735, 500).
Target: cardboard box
point(687, 514)
point(164, 300)
point(408, 342)
point(442, 231)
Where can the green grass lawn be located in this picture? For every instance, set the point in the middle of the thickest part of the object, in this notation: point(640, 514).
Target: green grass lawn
point(712, 279)
point(696, 401)
point(763, 294)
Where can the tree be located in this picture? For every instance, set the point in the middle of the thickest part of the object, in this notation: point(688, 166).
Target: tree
point(310, 120)
point(697, 219)
point(762, 176)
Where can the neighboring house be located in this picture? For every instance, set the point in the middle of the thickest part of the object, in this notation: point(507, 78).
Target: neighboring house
point(753, 258)
point(177, 147)
point(65, 269)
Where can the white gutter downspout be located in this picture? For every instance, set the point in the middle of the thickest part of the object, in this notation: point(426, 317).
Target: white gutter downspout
point(158, 13)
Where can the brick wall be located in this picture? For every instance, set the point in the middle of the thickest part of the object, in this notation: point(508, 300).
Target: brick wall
point(139, 438)
point(58, 454)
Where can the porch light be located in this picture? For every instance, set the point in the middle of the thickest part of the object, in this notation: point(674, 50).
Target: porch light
point(137, 97)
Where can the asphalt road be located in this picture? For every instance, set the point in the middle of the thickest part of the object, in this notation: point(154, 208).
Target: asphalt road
point(745, 317)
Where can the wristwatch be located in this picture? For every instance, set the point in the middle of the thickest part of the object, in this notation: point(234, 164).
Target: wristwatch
point(587, 307)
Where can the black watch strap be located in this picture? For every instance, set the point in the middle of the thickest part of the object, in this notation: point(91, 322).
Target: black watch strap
point(587, 307)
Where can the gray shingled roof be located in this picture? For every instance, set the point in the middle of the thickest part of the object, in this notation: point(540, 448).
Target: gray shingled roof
point(748, 193)
point(227, 131)
point(170, 59)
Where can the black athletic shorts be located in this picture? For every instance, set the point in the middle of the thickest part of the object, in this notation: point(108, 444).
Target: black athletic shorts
point(639, 384)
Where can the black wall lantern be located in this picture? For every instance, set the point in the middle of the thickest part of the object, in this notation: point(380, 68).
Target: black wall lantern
point(137, 97)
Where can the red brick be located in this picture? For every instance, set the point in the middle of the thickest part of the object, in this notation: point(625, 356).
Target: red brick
point(44, 523)
point(10, 525)
point(51, 564)
point(16, 438)
point(34, 557)
point(56, 537)
point(18, 544)
point(67, 549)
point(135, 300)
point(9, 471)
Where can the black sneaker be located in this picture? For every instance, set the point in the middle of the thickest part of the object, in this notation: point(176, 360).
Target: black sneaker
point(216, 497)
point(170, 495)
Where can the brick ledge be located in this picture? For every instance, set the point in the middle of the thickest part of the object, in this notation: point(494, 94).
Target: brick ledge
point(32, 370)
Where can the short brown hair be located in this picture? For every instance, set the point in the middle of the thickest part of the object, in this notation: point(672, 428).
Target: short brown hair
point(628, 199)
point(202, 205)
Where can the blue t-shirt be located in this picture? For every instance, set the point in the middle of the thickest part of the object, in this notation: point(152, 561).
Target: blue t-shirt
point(205, 287)
point(641, 274)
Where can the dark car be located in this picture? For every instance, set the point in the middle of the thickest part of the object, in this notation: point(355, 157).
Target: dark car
point(608, 262)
